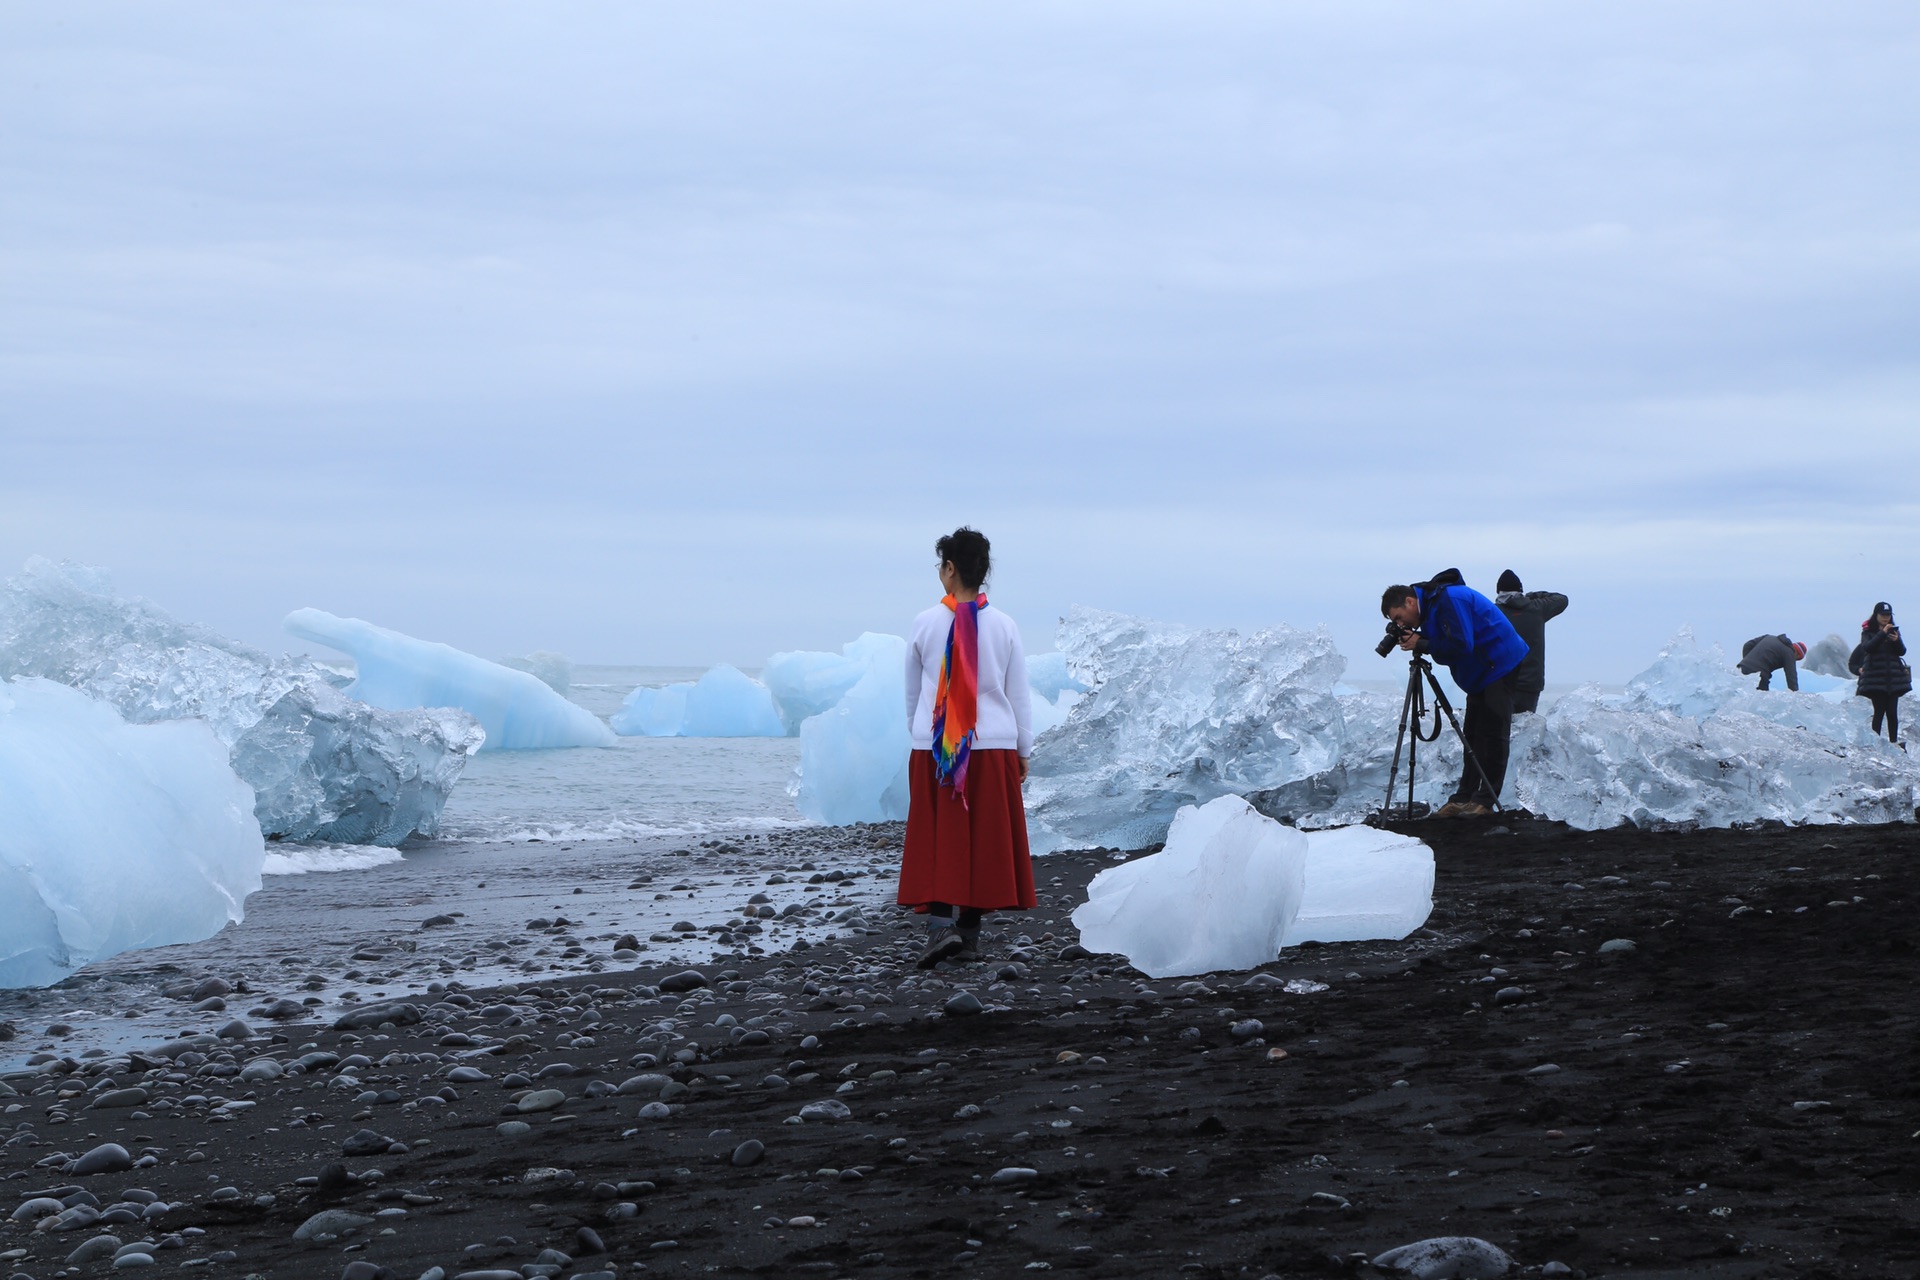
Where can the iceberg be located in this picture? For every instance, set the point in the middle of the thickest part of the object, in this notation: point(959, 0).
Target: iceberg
point(853, 755)
point(1689, 744)
point(723, 703)
point(1178, 717)
point(322, 766)
point(1828, 657)
point(1221, 895)
point(117, 836)
point(394, 671)
point(1048, 674)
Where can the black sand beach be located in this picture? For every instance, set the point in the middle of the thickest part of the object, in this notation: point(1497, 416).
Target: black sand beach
point(1733, 1095)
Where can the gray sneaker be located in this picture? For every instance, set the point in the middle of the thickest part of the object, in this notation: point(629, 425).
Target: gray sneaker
point(969, 946)
point(945, 944)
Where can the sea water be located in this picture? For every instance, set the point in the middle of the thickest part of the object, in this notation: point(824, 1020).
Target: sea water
point(638, 787)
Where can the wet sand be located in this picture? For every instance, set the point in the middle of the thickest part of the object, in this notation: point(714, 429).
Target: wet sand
point(1732, 1095)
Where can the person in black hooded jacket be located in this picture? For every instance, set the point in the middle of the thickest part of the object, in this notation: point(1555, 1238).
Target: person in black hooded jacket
point(1529, 612)
point(1879, 661)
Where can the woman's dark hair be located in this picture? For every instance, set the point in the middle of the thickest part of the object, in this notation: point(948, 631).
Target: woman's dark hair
point(969, 552)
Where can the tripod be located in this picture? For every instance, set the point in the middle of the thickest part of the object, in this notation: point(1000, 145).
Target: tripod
point(1413, 711)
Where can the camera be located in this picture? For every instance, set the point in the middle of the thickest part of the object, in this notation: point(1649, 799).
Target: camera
point(1395, 634)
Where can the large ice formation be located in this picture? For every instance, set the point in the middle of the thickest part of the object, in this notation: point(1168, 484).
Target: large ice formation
point(723, 703)
point(322, 766)
point(1221, 895)
point(853, 755)
point(554, 670)
point(1179, 716)
point(1828, 657)
point(395, 671)
point(1689, 743)
point(1363, 884)
point(115, 836)
point(1048, 674)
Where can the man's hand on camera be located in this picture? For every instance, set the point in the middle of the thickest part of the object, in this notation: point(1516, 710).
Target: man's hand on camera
point(1410, 641)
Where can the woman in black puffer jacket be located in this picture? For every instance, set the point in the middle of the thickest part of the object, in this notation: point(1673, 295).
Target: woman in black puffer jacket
point(1879, 661)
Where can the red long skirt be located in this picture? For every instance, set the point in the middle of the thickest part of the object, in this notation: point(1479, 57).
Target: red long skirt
point(972, 854)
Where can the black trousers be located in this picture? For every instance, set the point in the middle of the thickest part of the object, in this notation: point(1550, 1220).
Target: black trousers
point(1488, 727)
point(1526, 701)
point(1886, 706)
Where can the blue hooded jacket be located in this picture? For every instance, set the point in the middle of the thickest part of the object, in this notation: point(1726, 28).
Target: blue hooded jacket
point(1468, 634)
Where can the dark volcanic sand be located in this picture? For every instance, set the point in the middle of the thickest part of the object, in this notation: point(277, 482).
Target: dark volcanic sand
point(1771, 968)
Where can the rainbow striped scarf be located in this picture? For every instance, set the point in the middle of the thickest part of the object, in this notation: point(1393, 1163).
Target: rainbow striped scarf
point(956, 700)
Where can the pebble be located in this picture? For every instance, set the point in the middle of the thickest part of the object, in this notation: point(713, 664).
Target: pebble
point(367, 1143)
point(331, 1222)
point(1545, 1069)
point(1247, 1029)
point(468, 1075)
point(1506, 995)
point(93, 1250)
point(1013, 1175)
point(655, 1111)
point(827, 1110)
point(687, 980)
point(1447, 1258)
point(541, 1100)
point(1327, 1200)
point(750, 1152)
point(964, 1004)
point(1618, 946)
point(120, 1098)
point(108, 1157)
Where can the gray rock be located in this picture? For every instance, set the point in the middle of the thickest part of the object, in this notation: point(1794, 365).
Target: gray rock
point(1618, 946)
point(108, 1157)
point(586, 1240)
point(655, 1111)
point(1546, 1069)
point(1247, 1029)
point(1447, 1258)
point(37, 1208)
point(1505, 995)
point(93, 1250)
point(1327, 1200)
point(513, 1128)
point(649, 1083)
point(541, 1100)
point(210, 987)
point(120, 1098)
point(826, 1111)
point(235, 1030)
point(282, 1010)
point(130, 1261)
point(750, 1152)
point(365, 1143)
point(1013, 1175)
point(467, 1075)
point(261, 1070)
point(399, 1014)
point(964, 1004)
point(687, 980)
point(361, 1269)
point(331, 1222)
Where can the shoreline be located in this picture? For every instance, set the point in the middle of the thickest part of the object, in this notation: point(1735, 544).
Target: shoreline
point(1730, 1096)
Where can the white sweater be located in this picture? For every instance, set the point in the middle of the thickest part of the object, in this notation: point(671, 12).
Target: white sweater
point(1006, 699)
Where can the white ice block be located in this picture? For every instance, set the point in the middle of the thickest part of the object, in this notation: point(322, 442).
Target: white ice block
point(1363, 884)
point(853, 756)
point(1221, 895)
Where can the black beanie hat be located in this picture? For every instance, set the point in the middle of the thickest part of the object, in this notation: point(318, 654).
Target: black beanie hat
point(1509, 581)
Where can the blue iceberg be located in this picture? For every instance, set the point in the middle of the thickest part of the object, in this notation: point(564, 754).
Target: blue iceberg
point(117, 836)
point(517, 710)
point(853, 755)
point(723, 703)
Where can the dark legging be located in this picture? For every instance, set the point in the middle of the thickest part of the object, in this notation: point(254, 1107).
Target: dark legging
point(969, 916)
point(1886, 706)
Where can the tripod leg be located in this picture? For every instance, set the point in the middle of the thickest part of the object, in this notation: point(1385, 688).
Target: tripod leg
point(1400, 740)
point(1440, 699)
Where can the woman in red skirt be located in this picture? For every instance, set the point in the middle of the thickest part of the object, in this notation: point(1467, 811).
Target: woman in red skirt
point(970, 712)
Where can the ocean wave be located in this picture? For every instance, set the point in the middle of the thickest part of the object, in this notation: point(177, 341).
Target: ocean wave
point(302, 859)
point(617, 829)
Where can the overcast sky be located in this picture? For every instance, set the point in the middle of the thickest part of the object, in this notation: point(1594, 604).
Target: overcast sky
point(676, 333)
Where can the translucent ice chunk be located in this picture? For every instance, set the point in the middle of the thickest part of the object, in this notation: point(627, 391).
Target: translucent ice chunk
point(116, 836)
point(322, 766)
point(1179, 716)
point(395, 671)
point(1828, 657)
point(853, 756)
point(724, 703)
point(1363, 883)
point(1051, 715)
point(804, 684)
point(1048, 674)
point(1221, 895)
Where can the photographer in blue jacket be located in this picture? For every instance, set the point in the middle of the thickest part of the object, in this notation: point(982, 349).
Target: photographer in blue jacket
point(1466, 633)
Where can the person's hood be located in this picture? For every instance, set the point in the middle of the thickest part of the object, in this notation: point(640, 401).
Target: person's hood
point(1444, 578)
point(1511, 599)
